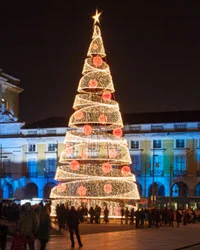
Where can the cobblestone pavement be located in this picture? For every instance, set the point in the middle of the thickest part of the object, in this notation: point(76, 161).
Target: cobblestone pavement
point(126, 237)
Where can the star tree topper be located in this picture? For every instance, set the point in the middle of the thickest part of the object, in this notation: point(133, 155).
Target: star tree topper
point(96, 17)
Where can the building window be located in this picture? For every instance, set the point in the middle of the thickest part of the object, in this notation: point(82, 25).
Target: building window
point(52, 147)
point(50, 165)
point(32, 165)
point(180, 143)
point(135, 166)
point(31, 148)
point(157, 144)
point(180, 165)
point(134, 144)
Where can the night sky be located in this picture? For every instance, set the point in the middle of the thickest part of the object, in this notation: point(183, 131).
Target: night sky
point(153, 50)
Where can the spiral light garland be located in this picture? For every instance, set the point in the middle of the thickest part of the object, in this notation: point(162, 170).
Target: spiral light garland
point(95, 163)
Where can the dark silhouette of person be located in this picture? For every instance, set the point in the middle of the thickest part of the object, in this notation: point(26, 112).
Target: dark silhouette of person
point(73, 224)
point(106, 213)
point(3, 233)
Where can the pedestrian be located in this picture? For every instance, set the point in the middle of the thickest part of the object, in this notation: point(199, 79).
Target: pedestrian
point(106, 213)
point(73, 224)
point(43, 232)
point(122, 214)
point(18, 241)
point(92, 214)
point(3, 233)
point(126, 213)
point(132, 216)
point(28, 224)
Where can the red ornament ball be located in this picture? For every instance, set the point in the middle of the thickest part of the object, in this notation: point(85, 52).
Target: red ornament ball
point(107, 188)
point(82, 191)
point(74, 165)
point(125, 170)
point(117, 132)
point(97, 61)
point(95, 46)
point(87, 130)
point(78, 115)
point(106, 95)
point(106, 167)
point(61, 187)
point(102, 119)
point(92, 83)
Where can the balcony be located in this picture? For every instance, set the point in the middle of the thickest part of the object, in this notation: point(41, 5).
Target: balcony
point(157, 172)
point(179, 172)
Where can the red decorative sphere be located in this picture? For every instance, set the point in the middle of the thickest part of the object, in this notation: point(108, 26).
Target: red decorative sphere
point(117, 132)
point(102, 119)
point(125, 170)
point(95, 46)
point(78, 115)
point(92, 83)
point(61, 187)
point(106, 95)
point(82, 191)
point(97, 61)
point(106, 167)
point(107, 188)
point(74, 165)
point(87, 129)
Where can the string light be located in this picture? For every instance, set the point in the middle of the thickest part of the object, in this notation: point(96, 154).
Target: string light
point(95, 162)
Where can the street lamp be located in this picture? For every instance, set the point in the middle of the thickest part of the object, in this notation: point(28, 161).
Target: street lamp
point(170, 185)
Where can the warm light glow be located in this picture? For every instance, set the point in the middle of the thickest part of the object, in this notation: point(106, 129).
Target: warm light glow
point(97, 167)
point(96, 16)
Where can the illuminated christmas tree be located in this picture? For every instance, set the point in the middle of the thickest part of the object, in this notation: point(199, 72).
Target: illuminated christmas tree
point(94, 166)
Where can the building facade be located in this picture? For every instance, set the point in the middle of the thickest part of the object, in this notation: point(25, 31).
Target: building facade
point(164, 147)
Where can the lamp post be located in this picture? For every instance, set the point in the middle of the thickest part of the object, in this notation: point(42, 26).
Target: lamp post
point(170, 186)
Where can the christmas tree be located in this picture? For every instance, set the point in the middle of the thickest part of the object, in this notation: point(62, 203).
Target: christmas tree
point(94, 166)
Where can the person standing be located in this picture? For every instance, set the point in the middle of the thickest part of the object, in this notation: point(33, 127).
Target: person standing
point(43, 232)
point(28, 224)
point(122, 214)
point(73, 224)
point(3, 234)
point(18, 241)
point(106, 213)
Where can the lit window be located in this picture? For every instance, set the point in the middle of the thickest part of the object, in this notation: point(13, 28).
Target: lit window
point(134, 144)
point(157, 144)
point(52, 147)
point(31, 148)
point(180, 143)
point(51, 164)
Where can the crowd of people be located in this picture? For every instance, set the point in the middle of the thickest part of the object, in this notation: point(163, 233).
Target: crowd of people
point(34, 222)
point(31, 223)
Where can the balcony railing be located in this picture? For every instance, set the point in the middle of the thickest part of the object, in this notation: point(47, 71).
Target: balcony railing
point(157, 172)
point(179, 172)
